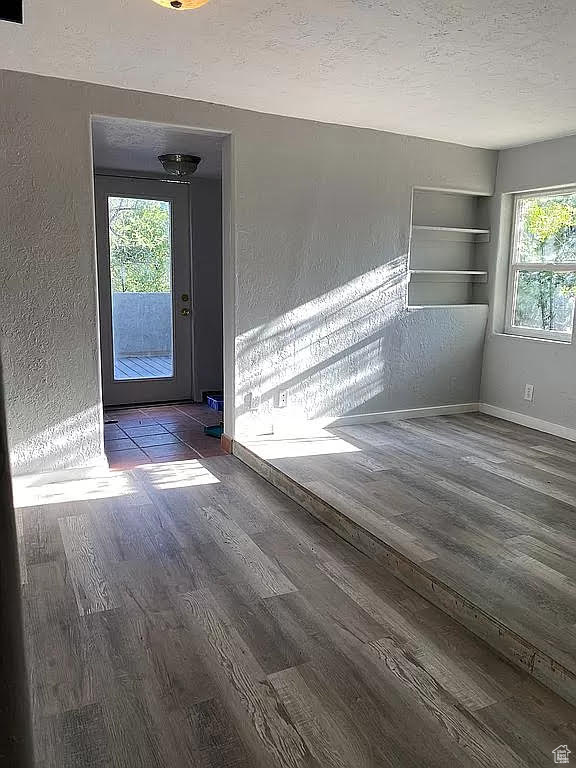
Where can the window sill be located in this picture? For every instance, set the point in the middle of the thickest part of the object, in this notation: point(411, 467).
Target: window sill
point(522, 337)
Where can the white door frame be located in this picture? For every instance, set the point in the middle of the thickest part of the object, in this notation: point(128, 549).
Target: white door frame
point(180, 385)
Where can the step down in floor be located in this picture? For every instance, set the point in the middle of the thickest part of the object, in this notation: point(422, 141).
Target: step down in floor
point(493, 631)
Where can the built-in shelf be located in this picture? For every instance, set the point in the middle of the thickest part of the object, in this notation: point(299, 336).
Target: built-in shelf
point(468, 230)
point(448, 251)
point(448, 306)
point(448, 272)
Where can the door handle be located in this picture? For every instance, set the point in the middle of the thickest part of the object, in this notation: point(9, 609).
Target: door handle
point(185, 311)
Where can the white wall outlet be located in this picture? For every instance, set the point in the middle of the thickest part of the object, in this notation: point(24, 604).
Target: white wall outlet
point(282, 399)
point(529, 392)
point(251, 401)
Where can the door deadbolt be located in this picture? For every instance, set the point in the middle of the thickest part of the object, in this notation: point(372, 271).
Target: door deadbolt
point(185, 297)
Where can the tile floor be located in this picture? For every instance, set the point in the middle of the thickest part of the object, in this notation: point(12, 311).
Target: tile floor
point(134, 436)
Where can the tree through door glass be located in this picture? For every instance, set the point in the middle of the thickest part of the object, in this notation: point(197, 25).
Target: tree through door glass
point(140, 237)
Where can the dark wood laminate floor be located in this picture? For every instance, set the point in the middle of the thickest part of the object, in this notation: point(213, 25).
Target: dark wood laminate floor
point(485, 506)
point(189, 614)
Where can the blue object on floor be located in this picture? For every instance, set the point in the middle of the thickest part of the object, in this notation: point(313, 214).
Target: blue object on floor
point(217, 403)
point(215, 431)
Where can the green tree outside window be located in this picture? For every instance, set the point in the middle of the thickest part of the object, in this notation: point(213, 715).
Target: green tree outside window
point(547, 234)
point(140, 245)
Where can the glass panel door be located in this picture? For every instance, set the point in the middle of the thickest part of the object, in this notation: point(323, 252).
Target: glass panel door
point(144, 290)
point(139, 233)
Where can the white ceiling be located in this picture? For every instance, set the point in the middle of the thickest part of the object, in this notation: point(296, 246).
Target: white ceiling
point(131, 145)
point(487, 73)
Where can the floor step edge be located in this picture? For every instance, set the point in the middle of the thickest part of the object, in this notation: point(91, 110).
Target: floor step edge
point(518, 650)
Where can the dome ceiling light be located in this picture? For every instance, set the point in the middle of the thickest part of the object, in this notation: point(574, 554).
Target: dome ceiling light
point(179, 165)
point(181, 5)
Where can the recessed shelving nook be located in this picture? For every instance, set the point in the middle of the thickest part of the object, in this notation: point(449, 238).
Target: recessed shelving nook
point(448, 249)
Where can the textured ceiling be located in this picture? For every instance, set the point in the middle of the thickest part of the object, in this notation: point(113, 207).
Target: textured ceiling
point(486, 73)
point(130, 145)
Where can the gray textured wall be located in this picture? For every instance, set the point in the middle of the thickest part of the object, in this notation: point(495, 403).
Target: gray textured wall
point(206, 220)
point(316, 298)
point(15, 733)
point(142, 324)
point(510, 362)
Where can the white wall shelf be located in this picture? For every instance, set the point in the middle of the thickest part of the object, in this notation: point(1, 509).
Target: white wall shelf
point(448, 306)
point(448, 252)
point(468, 230)
point(448, 272)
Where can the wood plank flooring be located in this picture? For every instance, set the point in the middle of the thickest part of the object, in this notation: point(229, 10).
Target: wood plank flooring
point(189, 614)
point(483, 506)
point(143, 367)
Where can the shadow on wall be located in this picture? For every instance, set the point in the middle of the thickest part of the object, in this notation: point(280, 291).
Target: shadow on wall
point(330, 355)
point(60, 446)
point(356, 349)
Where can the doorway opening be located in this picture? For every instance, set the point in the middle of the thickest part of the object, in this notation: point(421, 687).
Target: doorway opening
point(159, 251)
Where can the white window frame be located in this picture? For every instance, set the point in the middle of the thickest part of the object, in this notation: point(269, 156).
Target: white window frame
point(523, 266)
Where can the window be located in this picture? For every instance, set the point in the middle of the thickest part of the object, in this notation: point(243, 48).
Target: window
point(542, 280)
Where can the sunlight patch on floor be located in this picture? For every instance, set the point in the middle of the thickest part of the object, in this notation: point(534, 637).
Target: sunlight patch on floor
point(283, 446)
point(178, 474)
point(33, 493)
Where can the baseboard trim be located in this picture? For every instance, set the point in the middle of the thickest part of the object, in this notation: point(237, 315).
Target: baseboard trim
point(518, 650)
point(410, 413)
point(227, 443)
point(568, 433)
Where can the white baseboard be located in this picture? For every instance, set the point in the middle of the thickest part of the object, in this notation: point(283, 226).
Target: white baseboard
point(410, 413)
point(568, 433)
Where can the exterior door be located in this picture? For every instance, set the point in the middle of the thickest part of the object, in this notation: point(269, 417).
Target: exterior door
point(143, 244)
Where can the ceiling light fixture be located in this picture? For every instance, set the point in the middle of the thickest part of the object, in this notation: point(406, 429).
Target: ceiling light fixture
point(180, 165)
point(181, 5)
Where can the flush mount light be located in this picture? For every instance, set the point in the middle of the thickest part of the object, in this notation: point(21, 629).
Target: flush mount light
point(179, 165)
point(181, 5)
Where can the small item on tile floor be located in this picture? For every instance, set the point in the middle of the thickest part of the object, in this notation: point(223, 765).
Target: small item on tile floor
point(215, 431)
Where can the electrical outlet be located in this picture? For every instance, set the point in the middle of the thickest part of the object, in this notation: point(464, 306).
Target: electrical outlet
point(251, 401)
point(282, 399)
point(529, 392)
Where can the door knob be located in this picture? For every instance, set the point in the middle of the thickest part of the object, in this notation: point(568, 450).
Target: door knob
point(185, 311)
